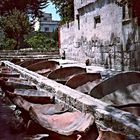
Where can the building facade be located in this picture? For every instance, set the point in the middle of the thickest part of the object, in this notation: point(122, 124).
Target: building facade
point(46, 24)
point(107, 32)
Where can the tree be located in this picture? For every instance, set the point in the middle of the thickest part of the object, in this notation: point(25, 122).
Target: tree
point(65, 8)
point(15, 25)
point(7, 43)
point(40, 40)
point(31, 7)
point(15, 16)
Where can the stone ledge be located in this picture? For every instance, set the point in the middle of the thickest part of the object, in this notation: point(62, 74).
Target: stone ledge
point(8, 57)
point(107, 117)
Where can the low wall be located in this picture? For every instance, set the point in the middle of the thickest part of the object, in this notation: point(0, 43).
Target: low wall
point(28, 54)
point(106, 117)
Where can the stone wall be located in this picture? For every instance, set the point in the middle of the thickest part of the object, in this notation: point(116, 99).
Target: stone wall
point(102, 34)
point(28, 54)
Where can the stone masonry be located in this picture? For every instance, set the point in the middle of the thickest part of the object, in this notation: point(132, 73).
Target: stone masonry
point(107, 32)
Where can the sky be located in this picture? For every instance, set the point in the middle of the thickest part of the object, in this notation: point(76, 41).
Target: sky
point(51, 9)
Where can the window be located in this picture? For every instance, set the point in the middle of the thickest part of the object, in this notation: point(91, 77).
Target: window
point(78, 19)
point(45, 19)
point(82, 1)
point(97, 20)
point(125, 12)
point(47, 29)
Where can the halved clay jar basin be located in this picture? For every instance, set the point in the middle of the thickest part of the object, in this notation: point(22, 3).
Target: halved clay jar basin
point(84, 82)
point(44, 67)
point(61, 75)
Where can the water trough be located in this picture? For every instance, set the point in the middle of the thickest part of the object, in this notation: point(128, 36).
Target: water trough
point(107, 118)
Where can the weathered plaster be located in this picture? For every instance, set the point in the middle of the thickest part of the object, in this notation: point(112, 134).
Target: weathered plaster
point(112, 43)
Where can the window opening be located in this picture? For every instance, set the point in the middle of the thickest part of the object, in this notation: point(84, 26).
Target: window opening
point(97, 20)
point(46, 29)
point(78, 19)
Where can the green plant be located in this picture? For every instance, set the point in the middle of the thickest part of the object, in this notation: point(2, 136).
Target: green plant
point(65, 8)
point(40, 40)
point(15, 26)
point(7, 44)
point(30, 7)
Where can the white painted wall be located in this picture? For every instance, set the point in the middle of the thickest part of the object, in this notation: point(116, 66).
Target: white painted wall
point(103, 44)
point(46, 22)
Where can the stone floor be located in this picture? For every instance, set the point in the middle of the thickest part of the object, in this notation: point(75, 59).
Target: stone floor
point(10, 128)
point(11, 125)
